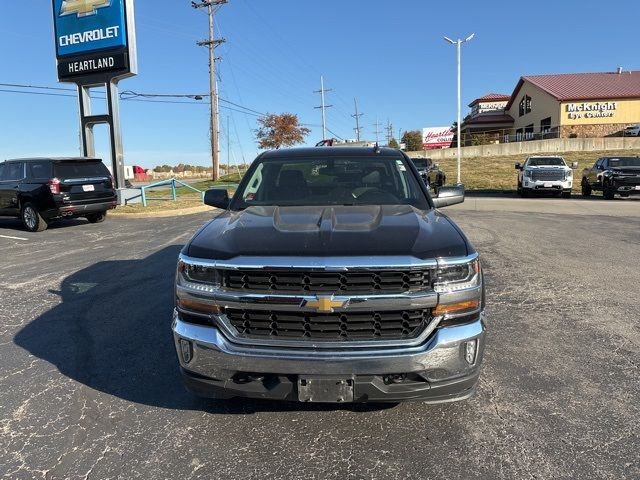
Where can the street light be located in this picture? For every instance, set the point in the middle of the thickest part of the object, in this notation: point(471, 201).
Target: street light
point(458, 44)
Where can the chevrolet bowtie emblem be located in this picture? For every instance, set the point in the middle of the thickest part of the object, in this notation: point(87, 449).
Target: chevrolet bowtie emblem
point(324, 304)
point(82, 8)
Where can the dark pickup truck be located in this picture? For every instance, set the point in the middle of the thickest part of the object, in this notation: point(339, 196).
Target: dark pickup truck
point(430, 172)
point(612, 175)
point(41, 190)
point(331, 276)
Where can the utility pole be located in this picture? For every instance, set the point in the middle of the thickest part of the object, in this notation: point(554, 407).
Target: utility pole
point(323, 106)
point(377, 132)
point(357, 117)
point(212, 43)
point(389, 131)
point(228, 148)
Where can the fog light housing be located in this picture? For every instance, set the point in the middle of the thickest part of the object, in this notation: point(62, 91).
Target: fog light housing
point(186, 350)
point(470, 351)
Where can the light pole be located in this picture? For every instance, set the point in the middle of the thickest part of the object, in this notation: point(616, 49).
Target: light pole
point(458, 44)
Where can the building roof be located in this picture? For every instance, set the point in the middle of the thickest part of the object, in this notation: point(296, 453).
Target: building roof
point(489, 118)
point(491, 97)
point(584, 86)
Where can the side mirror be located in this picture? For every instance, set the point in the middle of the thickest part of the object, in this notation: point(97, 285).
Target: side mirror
point(574, 165)
point(449, 196)
point(217, 197)
point(518, 166)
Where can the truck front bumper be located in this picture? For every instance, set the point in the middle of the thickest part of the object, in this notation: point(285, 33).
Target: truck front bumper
point(550, 186)
point(440, 370)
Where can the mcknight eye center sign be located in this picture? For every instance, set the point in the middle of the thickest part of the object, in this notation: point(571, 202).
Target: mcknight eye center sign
point(94, 38)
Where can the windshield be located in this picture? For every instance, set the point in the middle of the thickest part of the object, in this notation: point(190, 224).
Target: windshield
point(546, 162)
point(420, 162)
point(331, 181)
point(625, 162)
point(80, 169)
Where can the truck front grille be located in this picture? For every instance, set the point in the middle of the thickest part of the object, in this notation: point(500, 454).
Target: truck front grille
point(380, 281)
point(547, 175)
point(344, 326)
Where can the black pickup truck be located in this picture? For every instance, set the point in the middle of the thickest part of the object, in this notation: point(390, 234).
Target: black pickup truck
point(612, 175)
point(41, 190)
point(430, 173)
point(331, 276)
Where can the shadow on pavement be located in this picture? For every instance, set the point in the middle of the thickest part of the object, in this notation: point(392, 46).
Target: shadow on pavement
point(112, 333)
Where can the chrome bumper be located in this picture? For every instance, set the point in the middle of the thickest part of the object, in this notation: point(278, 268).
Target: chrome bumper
point(440, 360)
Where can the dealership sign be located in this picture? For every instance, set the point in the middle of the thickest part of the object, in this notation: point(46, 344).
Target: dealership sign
point(437, 137)
point(94, 37)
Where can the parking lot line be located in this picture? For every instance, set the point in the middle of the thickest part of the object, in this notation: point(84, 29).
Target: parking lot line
point(13, 238)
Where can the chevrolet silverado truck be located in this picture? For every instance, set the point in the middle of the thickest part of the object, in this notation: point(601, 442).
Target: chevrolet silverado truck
point(545, 174)
point(612, 175)
point(330, 276)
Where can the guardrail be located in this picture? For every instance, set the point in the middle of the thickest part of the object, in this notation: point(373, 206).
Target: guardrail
point(171, 183)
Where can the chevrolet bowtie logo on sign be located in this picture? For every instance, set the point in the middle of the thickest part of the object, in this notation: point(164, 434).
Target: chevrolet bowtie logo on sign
point(324, 304)
point(82, 8)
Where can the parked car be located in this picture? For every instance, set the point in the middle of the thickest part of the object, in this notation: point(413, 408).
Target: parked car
point(331, 276)
point(430, 173)
point(632, 131)
point(545, 174)
point(42, 190)
point(612, 175)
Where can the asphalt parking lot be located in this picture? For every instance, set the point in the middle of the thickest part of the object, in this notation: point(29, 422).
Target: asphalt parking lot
point(89, 385)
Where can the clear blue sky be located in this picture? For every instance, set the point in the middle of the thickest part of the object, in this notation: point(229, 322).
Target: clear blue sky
point(388, 54)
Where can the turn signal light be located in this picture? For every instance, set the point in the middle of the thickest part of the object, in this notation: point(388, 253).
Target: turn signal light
point(459, 307)
point(201, 307)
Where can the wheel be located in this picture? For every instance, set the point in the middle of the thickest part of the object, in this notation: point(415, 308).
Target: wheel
point(526, 193)
point(566, 194)
point(97, 217)
point(586, 188)
point(31, 218)
point(608, 192)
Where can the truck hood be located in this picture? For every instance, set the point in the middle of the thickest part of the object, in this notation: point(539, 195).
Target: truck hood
point(329, 231)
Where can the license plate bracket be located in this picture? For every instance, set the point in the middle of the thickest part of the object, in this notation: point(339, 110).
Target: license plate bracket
point(325, 389)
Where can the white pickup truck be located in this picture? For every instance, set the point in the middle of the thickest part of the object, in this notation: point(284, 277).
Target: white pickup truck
point(545, 174)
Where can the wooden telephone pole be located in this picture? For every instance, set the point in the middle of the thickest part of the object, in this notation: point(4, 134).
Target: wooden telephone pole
point(212, 43)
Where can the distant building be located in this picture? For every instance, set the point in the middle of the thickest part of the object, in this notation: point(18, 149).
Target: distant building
point(556, 106)
point(487, 119)
point(575, 104)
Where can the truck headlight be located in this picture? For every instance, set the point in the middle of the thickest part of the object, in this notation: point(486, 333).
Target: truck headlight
point(527, 174)
point(198, 277)
point(568, 175)
point(451, 278)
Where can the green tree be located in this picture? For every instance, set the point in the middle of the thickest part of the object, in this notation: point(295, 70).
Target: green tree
point(282, 130)
point(413, 140)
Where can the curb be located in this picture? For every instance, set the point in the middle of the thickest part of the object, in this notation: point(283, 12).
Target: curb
point(165, 213)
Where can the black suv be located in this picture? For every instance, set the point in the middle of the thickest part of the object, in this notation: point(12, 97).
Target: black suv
point(41, 190)
point(430, 173)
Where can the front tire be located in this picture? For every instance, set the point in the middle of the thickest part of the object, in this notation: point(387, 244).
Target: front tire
point(608, 192)
point(566, 194)
point(586, 188)
point(97, 217)
point(31, 219)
